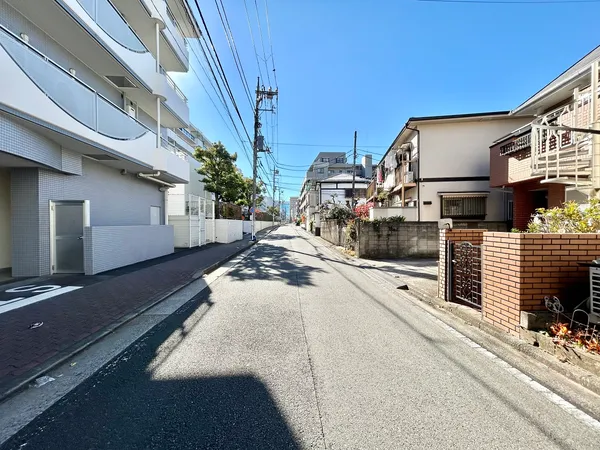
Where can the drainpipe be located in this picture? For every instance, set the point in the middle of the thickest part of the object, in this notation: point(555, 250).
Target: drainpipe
point(151, 177)
point(418, 171)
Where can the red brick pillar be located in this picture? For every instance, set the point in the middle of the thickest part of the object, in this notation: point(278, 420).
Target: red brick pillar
point(522, 206)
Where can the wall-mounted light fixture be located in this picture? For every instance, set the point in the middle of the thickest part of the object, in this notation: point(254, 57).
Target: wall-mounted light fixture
point(72, 71)
point(24, 37)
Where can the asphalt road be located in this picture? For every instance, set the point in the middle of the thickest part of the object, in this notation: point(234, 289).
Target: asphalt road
point(292, 349)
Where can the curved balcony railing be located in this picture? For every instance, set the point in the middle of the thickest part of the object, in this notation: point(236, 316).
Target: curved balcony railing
point(72, 95)
point(110, 20)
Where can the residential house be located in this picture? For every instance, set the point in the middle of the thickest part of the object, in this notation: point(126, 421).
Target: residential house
point(549, 159)
point(324, 166)
point(438, 167)
point(85, 111)
point(338, 189)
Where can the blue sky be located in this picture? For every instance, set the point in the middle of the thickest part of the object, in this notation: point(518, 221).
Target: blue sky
point(345, 65)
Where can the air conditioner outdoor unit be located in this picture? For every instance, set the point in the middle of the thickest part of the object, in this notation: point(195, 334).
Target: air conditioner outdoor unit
point(595, 294)
point(409, 177)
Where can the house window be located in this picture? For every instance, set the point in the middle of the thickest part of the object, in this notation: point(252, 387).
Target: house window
point(331, 172)
point(348, 171)
point(325, 160)
point(340, 160)
point(509, 209)
point(321, 170)
point(467, 207)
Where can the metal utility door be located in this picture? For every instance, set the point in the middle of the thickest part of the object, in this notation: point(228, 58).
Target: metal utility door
point(202, 227)
point(69, 220)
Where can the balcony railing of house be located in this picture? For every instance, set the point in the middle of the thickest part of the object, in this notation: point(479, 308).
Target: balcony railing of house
point(112, 23)
point(372, 189)
point(557, 150)
point(174, 86)
point(71, 94)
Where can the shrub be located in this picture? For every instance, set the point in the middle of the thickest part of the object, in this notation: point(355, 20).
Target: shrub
point(362, 211)
point(571, 218)
point(340, 213)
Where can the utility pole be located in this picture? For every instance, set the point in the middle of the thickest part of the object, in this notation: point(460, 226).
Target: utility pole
point(354, 175)
point(275, 172)
point(258, 144)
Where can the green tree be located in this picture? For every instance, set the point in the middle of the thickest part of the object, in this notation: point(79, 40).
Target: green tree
point(274, 211)
point(246, 192)
point(221, 175)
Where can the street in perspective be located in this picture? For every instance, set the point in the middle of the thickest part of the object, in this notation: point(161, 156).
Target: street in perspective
point(294, 347)
point(408, 259)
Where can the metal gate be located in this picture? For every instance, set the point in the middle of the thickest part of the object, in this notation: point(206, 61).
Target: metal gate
point(202, 228)
point(464, 273)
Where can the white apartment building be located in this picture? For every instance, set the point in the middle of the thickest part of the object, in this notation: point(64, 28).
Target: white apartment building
point(86, 106)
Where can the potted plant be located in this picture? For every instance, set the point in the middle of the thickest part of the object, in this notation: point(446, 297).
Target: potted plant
point(381, 197)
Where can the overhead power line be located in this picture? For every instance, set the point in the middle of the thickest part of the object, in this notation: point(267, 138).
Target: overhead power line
point(516, 2)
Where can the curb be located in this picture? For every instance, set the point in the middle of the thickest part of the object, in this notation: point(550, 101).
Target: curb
point(469, 317)
point(92, 339)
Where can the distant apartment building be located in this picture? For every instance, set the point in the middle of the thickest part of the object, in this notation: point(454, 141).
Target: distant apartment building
point(329, 169)
point(550, 159)
point(87, 113)
point(293, 208)
point(438, 167)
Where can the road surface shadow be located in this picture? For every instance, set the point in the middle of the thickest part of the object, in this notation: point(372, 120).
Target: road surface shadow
point(272, 262)
point(408, 273)
point(126, 406)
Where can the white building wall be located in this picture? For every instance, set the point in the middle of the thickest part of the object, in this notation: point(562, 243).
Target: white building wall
point(461, 149)
point(5, 236)
point(429, 193)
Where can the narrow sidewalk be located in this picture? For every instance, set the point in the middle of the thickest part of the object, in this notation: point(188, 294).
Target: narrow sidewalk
point(75, 319)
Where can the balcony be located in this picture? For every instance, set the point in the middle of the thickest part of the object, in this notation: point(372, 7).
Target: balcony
point(72, 95)
point(42, 89)
point(112, 23)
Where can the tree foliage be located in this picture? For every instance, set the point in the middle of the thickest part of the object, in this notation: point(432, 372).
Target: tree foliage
point(245, 195)
point(221, 175)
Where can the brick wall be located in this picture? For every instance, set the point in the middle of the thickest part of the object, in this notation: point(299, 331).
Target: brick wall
point(474, 236)
point(519, 270)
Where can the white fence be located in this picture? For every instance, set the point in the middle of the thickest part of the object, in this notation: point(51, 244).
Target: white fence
point(260, 225)
point(189, 222)
point(409, 213)
point(228, 230)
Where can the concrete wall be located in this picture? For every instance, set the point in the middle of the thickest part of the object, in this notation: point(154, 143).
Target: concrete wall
point(107, 248)
point(397, 240)
point(5, 240)
point(333, 233)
